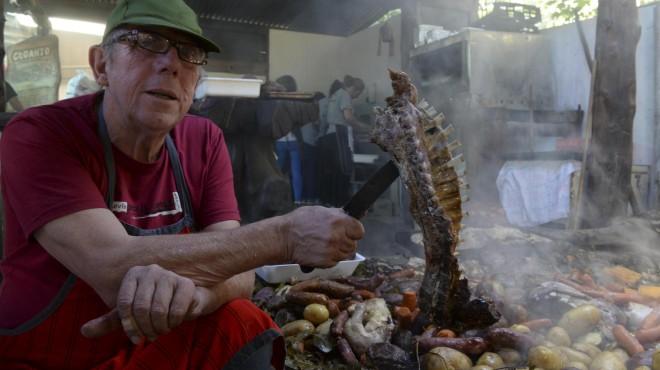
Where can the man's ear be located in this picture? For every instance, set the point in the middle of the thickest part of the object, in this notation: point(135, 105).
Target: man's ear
point(98, 62)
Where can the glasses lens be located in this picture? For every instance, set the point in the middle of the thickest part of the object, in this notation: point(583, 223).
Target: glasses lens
point(191, 53)
point(152, 42)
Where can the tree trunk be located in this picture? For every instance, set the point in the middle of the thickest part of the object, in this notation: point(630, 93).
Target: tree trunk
point(609, 156)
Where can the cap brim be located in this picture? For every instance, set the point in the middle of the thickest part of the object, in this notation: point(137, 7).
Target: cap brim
point(207, 44)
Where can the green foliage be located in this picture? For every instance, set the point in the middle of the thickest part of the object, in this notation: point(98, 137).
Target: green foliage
point(557, 12)
point(565, 10)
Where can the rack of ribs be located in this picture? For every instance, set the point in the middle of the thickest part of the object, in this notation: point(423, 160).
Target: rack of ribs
point(419, 141)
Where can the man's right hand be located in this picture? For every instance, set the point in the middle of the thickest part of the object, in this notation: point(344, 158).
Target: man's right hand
point(151, 302)
point(320, 237)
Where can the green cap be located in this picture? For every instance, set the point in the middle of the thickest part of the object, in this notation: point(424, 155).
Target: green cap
point(165, 13)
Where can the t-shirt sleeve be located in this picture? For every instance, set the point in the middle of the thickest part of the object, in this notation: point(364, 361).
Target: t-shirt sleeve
point(218, 198)
point(43, 174)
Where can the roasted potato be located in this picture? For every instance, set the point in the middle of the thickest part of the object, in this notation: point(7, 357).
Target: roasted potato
point(607, 361)
point(559, 336)
point(491, 359)
point(297, 327)
point(511, 357)
point(580, 320)
point(316, 313)
point(547, 358)
point(575, 356)
point(444, 358)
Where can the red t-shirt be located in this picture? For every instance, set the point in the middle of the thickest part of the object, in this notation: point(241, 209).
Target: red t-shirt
point(53, 165)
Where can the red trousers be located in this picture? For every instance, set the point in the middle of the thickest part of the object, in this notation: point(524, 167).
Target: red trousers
point(209, 342)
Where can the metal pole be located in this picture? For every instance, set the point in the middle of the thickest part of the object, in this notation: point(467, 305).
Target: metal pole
point(653, 170)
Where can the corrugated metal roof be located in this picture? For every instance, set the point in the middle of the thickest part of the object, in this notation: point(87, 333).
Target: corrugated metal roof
point(332, 17)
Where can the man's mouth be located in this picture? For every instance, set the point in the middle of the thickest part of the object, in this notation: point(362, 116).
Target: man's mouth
point(162, 94)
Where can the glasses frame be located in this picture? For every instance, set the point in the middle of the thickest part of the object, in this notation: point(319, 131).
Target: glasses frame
point(133, 38)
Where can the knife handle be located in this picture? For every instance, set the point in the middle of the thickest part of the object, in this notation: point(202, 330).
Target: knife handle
point(306, 269)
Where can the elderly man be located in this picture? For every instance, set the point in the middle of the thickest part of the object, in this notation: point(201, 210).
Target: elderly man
point(98, 191)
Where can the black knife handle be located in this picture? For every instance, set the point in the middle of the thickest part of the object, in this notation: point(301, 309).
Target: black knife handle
point(306, 269)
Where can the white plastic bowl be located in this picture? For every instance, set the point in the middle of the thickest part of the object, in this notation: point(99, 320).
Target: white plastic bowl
point(223, 86)
point(275, 274)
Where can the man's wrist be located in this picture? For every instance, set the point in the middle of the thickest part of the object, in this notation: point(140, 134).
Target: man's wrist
point(282, 235)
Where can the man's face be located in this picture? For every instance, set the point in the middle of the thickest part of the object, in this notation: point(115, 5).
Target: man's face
point(147, 90)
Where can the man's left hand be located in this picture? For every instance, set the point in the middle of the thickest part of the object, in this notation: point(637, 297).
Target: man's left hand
point(151, 302)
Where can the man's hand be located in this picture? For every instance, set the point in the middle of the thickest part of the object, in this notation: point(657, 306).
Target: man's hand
point(321, 237)
point(151, 302)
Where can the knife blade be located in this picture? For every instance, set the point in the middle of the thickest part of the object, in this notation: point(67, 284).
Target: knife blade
point(365, 197)
point(361, 201)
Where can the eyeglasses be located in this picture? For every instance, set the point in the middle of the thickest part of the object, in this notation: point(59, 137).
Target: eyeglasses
point(156, 43)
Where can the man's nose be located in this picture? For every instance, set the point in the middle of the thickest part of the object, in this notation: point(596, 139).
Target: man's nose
point(169, 61)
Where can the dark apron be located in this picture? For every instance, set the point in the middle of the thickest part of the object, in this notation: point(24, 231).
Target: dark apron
point(86, 304)
point(258, 353)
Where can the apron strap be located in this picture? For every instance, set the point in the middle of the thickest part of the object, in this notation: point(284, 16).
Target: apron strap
point(181, 184)
point(107, 155)
point(175, 163)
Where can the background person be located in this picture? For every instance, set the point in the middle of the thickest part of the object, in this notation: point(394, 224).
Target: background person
point(310, 136)
point(11, 98)
point(288, 148)
point(336, 144)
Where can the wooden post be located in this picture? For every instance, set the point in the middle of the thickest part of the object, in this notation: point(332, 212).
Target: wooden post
point(408, 31)
point(608, 161)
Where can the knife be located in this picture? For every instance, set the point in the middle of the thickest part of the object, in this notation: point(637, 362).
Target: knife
point(361, 201)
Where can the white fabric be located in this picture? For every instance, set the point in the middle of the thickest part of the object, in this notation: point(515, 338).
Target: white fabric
point(535, 192)
point(289, 137)
point(80, 84)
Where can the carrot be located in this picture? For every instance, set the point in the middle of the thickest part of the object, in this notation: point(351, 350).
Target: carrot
point(363, 293)
point(650, 291)
point(445, 333)
point(415, 313)
point(624, 275)
point(626, 340)
point(648, 335)
point(587, 280)
point(403, 315)
point(626, 297)
point(614, 287)
point(409, 300)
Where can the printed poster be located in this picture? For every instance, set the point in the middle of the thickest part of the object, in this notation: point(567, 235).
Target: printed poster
point(33, 70)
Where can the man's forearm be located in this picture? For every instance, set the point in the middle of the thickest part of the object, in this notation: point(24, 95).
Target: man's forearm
point(94, 246)
point(212, 257)
point(238, 286)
